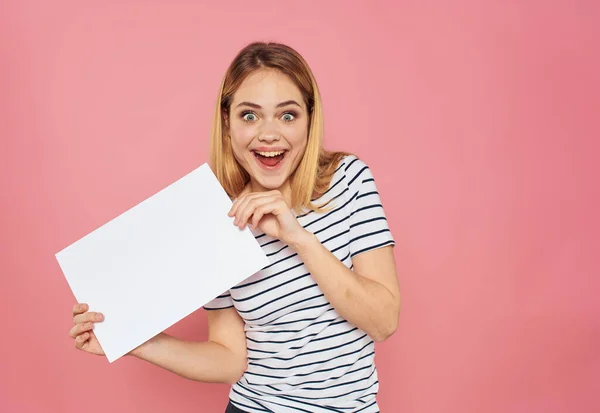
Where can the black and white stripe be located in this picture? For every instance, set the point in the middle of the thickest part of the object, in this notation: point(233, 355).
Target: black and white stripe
point(302, 356)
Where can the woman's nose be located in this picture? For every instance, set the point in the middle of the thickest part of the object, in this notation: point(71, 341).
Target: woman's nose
point(269, 135)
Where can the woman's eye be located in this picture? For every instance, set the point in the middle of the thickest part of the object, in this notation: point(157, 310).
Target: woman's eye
point(288, 117)
point(249, 117)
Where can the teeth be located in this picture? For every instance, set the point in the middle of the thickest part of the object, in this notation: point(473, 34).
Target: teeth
point(269, 154)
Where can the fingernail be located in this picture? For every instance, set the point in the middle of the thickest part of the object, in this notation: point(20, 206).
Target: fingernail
point(99, 317)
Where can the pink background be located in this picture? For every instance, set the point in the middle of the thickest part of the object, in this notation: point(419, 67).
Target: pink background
point(478, 118)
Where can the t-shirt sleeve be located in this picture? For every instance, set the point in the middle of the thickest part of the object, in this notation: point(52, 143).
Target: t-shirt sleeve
point(368, 223)
point(219, 303)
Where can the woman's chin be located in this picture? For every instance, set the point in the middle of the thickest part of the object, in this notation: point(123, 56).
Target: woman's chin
point(269, 183)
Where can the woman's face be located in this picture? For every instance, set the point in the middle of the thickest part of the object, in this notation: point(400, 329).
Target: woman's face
point(268, 125)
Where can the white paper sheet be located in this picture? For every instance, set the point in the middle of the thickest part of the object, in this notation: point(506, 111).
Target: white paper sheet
point(160, 261)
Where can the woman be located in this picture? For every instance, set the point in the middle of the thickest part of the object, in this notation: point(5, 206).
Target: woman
point(298, 336)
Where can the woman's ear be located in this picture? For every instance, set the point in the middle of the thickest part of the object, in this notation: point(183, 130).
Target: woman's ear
point(225, 119)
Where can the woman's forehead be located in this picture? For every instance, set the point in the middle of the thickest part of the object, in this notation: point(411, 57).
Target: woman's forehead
point(267, 88)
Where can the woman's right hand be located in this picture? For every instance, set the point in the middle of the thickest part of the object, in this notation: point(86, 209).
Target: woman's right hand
point(82, 331)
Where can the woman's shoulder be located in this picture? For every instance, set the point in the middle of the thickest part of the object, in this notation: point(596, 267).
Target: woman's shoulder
point(340, 162)
point(353, 170)
point(342, 176)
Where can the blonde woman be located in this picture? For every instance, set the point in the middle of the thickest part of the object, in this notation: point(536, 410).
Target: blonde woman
point(298, 336)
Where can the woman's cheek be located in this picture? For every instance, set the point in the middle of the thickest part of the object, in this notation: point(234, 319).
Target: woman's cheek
point(291, 132)
point(249, 132)
point(243, 136)
point(299, 136)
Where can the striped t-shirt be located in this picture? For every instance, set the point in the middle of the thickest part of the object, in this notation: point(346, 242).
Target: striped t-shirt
point(302, 355)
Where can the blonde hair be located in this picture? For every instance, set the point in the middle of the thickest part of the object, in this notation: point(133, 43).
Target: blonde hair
point(313, 175)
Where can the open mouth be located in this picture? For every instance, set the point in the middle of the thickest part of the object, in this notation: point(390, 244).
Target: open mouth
point(270, 159)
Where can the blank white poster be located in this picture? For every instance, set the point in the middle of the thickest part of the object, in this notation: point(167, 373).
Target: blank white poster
point(160, 261)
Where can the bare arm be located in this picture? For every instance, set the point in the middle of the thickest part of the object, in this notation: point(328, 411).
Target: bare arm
point(221, 359)
point(368, 296)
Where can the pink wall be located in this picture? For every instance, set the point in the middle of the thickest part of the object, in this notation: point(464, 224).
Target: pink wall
point(479, 119)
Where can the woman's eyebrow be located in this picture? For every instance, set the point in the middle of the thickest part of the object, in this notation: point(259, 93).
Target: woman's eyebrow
point(257, 106)
point(288, 102)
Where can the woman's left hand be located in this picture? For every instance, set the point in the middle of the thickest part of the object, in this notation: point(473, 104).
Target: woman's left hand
point(269, 212)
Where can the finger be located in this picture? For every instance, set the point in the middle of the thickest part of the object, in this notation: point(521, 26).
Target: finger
point(271, 197)
point(240, 199)
point(270, 208)
point(256, 217)
point(246, 196)
point(81, 339)
point(244, 209)
point(241, 196)
point(243, 204)
point(244, 214)
point(79, 329)
point(89, 316)
point(79, 308)
point(233, 207)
